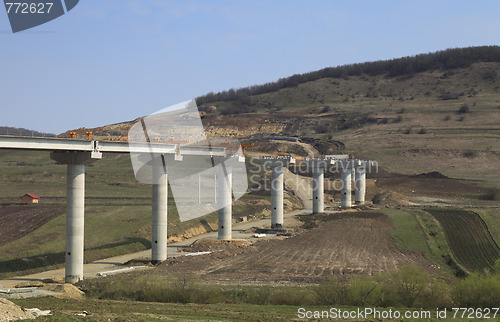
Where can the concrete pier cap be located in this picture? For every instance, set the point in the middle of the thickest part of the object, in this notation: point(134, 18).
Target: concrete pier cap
point(277, 165)
point(75, 209)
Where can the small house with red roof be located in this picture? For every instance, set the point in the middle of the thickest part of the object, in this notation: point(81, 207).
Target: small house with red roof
point(30, 198)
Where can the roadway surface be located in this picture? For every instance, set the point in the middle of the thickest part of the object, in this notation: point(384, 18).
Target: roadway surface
point(301, 185)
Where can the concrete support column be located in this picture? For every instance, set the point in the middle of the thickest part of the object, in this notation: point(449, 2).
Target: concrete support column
point(75, 218)
point(277, 196)
point(360, 185)
point(224, 199)
point(160, 200)
point(318, 189)
point(75, 209)
point(345, 192)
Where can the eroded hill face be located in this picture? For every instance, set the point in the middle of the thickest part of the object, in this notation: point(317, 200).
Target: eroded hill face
point(446, 121)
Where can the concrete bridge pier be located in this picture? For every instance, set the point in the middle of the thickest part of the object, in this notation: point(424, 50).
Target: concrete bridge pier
point(277, 196)
point(345, 192)
point(224, 200)
point(360, 183)
point(160, 200)
point(318, 189)
point(318, 167)
point(75, 209)
point(277, 165)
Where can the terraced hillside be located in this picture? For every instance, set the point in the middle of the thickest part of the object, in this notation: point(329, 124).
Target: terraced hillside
point(468, 237)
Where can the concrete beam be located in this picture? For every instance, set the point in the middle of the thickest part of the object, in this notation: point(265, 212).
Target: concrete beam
point(75, 157)
point(58, 144)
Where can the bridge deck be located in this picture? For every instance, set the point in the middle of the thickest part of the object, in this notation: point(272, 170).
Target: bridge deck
point(58, 144)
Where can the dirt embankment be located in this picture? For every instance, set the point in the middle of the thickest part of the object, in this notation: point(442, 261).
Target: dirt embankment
point(12, 312)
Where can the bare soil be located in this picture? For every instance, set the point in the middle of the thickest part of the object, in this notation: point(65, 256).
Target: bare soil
point(12, 312)
point(429, 186)
point(329, 244)
point(16, 222)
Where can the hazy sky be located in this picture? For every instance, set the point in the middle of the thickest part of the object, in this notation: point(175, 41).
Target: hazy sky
point(108, 61)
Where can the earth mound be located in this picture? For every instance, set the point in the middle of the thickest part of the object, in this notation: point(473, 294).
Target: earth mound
point(432, 175)
point(12, 312)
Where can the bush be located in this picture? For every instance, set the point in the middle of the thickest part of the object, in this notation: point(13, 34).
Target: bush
point(332, 291)
point(411, 286)
point(408, 286)
point(477, 291)
point(463, 109)
point(292, 296)
point(398, 119)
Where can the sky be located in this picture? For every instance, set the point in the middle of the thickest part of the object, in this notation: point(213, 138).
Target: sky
point(109, 61)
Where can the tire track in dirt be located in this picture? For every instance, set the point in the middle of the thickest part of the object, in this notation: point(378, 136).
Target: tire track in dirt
point(342, 243)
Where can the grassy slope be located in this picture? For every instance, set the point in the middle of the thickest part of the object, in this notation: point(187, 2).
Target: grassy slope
point(415, 230)
point(105, 310)
point(459, 145)
point(492, 219)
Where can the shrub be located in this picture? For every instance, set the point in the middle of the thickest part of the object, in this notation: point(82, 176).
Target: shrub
point(463, 109)
point(292, 296)
point(469, 154)
point(398, 119)
point(477, 291)
point(332, 291)
point(363, 290)
point(411, 286)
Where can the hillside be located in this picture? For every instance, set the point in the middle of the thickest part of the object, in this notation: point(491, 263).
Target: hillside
point(431, 112)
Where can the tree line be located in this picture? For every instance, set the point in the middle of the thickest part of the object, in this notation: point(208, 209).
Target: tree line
point(15, 131)
point(406, 66)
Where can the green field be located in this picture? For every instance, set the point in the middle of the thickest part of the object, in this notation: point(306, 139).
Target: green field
point(117, 215)
point(491, 217)
point(468, 238)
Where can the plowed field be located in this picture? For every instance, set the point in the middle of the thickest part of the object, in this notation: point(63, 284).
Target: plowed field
point(331, 244)
point(16, 222)
point(468, 237)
